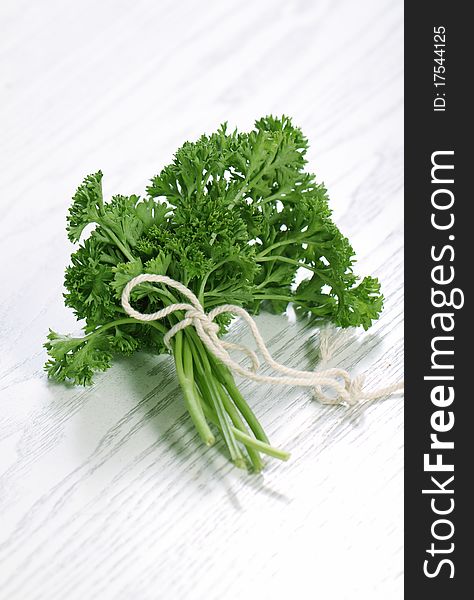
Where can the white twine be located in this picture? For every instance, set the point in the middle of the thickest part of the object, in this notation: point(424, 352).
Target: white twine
point(346, 390)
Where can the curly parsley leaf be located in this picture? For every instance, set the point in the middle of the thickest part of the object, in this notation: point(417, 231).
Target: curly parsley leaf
point(87, 205)
point(77, 359)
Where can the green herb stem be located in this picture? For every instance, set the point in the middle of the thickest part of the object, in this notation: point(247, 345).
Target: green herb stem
point(124, 321)
point(261, 446)
point(286, 242)
point(289, 261)
point(119, 244)
point(192, 402)
point(226, 378)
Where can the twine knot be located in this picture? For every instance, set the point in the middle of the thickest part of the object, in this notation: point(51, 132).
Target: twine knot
point(196, 317)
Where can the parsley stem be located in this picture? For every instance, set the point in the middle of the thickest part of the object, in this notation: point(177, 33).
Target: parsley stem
point(193, 405)
point(274, 297)
point(260, 446)
point(238, 425)
point(115, 239)
point(290, 261)
point(211, 386)
point(226, 378)
point(229, 407)
point(249, 441)
point(206, 367)
point(284, 242)
point(124, 321)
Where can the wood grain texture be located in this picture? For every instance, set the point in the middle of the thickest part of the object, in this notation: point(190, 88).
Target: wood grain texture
point(105, 492)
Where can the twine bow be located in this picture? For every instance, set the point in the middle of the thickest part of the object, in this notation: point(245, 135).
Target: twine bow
point(344, 389)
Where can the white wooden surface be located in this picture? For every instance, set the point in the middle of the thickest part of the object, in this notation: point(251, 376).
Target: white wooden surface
point(105, 492)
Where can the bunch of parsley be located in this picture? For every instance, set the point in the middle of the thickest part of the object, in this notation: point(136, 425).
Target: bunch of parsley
point(233, 217)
